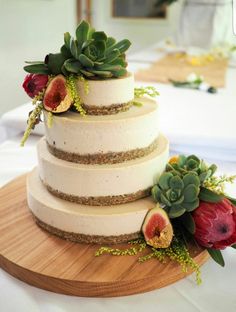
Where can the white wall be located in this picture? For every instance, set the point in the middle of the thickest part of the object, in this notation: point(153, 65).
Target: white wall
point(141, 32)
point(29, 29)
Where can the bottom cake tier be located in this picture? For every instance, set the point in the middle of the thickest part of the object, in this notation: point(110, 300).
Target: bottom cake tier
point(82, 223)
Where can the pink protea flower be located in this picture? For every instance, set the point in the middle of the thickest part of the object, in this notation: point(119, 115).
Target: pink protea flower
point(215, 224)
point(34, 83)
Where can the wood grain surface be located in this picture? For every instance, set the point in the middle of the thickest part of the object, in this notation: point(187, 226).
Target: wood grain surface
point(178, 68)
point(45, 261)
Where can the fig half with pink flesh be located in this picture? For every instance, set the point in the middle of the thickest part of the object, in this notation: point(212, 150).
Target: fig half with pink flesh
point(157, 228)
point(57, 98)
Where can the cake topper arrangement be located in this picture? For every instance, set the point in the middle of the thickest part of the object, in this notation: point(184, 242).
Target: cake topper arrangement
point(189, 204)
point(91, 55)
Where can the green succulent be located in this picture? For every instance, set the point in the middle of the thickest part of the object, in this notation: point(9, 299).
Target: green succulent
point(192, 164)
point(91, 54)
point(177, 194)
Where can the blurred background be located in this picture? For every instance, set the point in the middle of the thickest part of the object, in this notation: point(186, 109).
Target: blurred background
point(31, 29)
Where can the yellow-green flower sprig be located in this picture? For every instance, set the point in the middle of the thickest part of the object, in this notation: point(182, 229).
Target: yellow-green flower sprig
point(86, 84)
point(149, 90)
point(217, 184)
point(34, 117)
point(49, 119)
point(177, 252)
point(71, 84)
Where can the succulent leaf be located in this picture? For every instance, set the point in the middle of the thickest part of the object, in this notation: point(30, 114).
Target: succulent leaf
point(164, 180)
point(67, 38)
point(176, 211)
point(85, 61)
point(37, 69)
point(99, 35)
point(176, 183)
point(190, 192)
point(191, 206)
point(82, 33)
point(74, 49)
point(191, 178)
point(72, 66)
point(55, 62)
point(110, 42)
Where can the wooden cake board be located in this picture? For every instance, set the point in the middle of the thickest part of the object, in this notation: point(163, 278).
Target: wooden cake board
point(45, 261)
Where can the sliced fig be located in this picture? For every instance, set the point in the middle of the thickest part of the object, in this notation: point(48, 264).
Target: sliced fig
point(57, 98)
point(157, 228)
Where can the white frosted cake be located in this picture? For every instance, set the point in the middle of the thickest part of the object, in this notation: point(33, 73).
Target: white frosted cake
point(95, 172)
point(102, 151)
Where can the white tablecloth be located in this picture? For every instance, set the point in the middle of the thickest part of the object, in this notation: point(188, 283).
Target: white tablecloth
point(216, 294)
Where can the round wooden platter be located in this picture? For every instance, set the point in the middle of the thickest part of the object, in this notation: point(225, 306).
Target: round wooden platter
point(45, 261)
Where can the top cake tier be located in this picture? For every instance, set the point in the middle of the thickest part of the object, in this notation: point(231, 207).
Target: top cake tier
point(105, 97)
point(105, 139)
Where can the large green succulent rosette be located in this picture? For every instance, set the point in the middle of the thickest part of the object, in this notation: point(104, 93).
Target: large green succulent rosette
point(178, 194)
point(181, 186)
point(91, 54)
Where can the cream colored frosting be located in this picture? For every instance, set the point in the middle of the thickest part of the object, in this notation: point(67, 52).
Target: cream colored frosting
point(136, 128)
point(108, 91)
point(102, 180)
point(71, 217)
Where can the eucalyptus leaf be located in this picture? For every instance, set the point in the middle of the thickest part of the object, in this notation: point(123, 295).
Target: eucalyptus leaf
point(216, 256)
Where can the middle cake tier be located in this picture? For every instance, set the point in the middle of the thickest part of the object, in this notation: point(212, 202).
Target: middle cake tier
point(107, 184)
point(104, 139)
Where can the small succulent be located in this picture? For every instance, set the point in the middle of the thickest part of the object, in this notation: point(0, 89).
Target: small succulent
point(177, 194)
point(91, 54)
point(192, 163)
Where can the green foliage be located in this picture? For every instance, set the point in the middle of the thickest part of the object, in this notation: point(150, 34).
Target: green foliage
point(91, 54)
point(192, 164)
point(149, 90)
point(210, 196)
point(177, 252)
point(217, 184)
point(34, 118)
point(178, 193)
point(71, 85)
point(216, 256)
